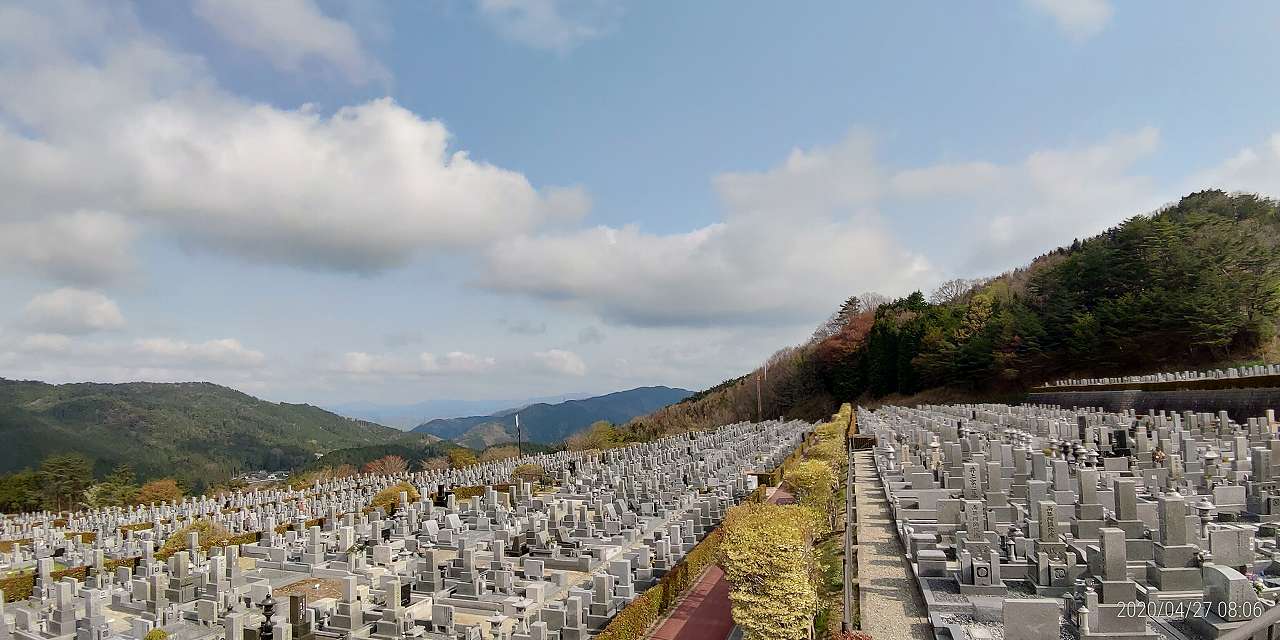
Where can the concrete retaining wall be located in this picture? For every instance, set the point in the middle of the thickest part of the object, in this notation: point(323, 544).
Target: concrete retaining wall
point(1241, 404)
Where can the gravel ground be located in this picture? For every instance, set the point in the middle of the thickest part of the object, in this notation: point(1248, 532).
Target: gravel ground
point(891, 606)
point(946, 590)
point(1021, 589)
point(976, 630)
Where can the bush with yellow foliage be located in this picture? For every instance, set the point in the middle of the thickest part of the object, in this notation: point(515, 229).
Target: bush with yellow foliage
point(211, 534)
point(389, 498)
point(767, 557)
point(528, 472)
point(459, 458)
point(814, 483)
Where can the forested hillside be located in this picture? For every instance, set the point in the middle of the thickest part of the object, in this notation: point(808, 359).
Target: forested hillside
point(1196, 283)
point(196, 432)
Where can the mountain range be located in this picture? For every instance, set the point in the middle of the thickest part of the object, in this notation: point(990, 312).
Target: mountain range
point(408, 416)
point(551, 423)
point(196, 431)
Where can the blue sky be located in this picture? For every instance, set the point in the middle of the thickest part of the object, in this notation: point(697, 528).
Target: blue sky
point(331, 201)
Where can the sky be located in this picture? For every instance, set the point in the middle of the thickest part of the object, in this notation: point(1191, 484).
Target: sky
point(334, 201)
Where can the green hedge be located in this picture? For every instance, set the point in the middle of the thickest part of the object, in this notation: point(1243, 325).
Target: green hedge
point(635, 619)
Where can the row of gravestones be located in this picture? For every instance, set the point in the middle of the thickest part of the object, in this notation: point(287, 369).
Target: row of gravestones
point(1035, 515)
point(1176, 376)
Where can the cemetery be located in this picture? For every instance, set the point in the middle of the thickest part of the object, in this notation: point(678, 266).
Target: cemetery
point(1029, 522)
point(1261, 375)
point(459, 554)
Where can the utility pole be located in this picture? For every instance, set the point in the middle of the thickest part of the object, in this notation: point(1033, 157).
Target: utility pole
point(519, 437)
point(759, 406)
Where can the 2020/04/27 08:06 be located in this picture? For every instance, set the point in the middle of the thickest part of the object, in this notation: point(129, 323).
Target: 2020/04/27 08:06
point(1194, 609)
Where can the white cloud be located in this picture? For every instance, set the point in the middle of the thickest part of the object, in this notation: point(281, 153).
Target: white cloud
point(810, 182)
point(362, 363)
point(1056, 195)
point(562, 362)
point(227, 352)
point(558, 25)
point(457, 362)
point(152, 136)
point(1078, 18)
point(72, 311)
point(62, 358)
point(1255, 169)
point(946, 179)
point(289, 33)
point(798, 238)
point(45, 342)
point(793, 242)
point(85, 248)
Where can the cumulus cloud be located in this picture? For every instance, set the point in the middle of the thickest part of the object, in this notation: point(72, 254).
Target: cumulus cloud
point(290, 33)
point(947, 179)
point(152, 135)
point(72, 311)
point(561, 362)
point(1055, 195)
point(362, 363)
point(63, 358)
point(227, 352)
point(557, 25)
point(45, 342)
point(797, 238)
point(793, 240)
point(1078, 18)
point(86, 248)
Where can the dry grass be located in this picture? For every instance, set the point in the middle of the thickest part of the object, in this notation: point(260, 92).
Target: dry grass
point(313, 588)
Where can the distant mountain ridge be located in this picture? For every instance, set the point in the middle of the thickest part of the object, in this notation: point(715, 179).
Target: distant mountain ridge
point(408, 416)
point(551, 423)
point(195, 431)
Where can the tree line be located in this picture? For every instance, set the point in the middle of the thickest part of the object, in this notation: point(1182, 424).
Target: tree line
point(65, 482)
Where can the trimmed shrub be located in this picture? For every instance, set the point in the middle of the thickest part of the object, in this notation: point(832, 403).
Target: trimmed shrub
point(767, 557)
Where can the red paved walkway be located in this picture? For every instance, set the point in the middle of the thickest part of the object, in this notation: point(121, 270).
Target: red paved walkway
point(704, 613)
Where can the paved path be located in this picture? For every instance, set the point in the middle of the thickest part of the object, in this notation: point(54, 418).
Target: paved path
point(704, 613)
point(890, 600)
